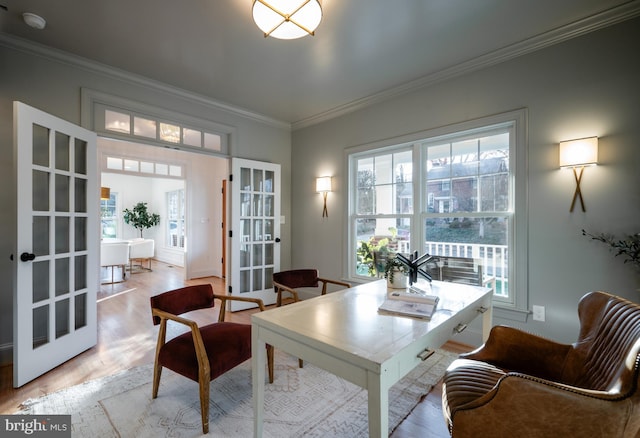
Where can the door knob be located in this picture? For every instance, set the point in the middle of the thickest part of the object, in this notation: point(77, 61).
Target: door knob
point(277, 240)
point(27, 257)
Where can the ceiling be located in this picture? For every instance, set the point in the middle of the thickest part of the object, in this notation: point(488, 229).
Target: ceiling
point(363, 50)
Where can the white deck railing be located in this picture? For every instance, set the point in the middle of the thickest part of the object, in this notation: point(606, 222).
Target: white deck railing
point(493, 258)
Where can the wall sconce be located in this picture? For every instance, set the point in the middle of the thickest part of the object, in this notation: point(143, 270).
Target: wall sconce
point(323, 185)
point(578, 154)
point(105, 193)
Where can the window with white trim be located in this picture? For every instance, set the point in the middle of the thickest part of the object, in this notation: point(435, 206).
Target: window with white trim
point(451, 192)
point(109, 216)
point(175, 219)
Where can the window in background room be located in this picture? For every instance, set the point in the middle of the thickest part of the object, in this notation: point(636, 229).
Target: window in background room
point(175, 219)
point(450, 192)
point(109, 217)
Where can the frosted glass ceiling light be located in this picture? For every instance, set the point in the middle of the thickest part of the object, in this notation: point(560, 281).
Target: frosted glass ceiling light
point(33, 20)
point(287, 19)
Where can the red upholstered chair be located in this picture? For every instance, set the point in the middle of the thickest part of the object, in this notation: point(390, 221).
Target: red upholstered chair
point(289, 281)
point(202, 353)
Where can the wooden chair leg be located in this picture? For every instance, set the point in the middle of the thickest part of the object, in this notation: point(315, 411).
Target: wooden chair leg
point(157, 372)
point(270, 362)
point(204, 404)
point(300, 363)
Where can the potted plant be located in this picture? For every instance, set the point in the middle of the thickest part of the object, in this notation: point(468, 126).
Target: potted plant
point(396, 273)
point(140, 218)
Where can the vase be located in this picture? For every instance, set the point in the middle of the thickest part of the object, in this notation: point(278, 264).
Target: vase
point(400, 280)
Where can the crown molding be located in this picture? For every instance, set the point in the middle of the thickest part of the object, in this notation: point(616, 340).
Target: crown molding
point(595, 22)
point(60, 56)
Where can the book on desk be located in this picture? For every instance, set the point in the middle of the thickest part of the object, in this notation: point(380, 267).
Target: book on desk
point(412, 301)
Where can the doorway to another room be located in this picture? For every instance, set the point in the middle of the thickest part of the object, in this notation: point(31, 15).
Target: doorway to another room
point(183, 188)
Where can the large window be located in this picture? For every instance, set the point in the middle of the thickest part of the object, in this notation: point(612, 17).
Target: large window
point(449, 193)
point(469, 210)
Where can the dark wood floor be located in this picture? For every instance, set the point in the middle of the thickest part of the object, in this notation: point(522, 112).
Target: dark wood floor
point(126, 338)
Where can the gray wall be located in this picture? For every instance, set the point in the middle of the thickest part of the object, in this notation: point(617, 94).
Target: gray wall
point(583, 87)
point(54, 86)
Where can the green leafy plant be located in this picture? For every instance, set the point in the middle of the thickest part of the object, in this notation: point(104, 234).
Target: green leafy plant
point(629, 247)
point(394, 266)
point(140, 218)
point(373, 254)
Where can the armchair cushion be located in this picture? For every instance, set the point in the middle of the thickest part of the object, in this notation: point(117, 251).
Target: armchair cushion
point(228, 344)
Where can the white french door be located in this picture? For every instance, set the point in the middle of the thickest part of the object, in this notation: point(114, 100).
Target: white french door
point(255, 230)
point(56, 258)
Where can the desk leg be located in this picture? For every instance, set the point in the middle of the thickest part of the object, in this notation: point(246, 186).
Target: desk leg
point(258, 363)
point(378, 398)
point(487, 321)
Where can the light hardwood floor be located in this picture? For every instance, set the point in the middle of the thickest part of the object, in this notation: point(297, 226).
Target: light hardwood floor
point(126, 338)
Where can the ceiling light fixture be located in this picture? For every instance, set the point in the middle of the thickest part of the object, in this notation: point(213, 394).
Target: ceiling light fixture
point(33, 20)
point(287, 19)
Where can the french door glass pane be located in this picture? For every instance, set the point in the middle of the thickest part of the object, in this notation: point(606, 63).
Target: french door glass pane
point(40, 326)
point(62, 276)
point(40, 233)
point(80, 160)
point(62, 317)
point(62, 193)
point(80, 233)
point(40, 191)
point(62, 151)
point(80, 195)
point(80, 273)
point(40, 279)
point(40, 145)
point(80, 307)
point(62, 234)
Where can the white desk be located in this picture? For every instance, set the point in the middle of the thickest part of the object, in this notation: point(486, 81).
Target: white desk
point(343, 333)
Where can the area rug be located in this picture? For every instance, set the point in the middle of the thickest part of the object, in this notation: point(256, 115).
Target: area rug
point(302, 402)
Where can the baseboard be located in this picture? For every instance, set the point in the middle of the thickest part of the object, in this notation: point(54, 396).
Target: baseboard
point(6, 354)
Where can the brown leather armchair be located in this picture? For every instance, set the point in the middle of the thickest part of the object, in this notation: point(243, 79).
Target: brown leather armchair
point(519, 384)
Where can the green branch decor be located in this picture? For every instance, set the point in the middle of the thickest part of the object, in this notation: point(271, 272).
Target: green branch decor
point(628, 248)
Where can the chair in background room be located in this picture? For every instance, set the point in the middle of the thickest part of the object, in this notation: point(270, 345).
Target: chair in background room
point(519, 384)
point(114, 255)
point(289, 281)
point(141, 250)
point(286, 282)
point(202, 353)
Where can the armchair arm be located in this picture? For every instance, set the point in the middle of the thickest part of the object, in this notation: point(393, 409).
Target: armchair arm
point(225, 298)
point(537, 407)
point(512, 349)
point(280, 288)
point(326, 280)
point(201, 352)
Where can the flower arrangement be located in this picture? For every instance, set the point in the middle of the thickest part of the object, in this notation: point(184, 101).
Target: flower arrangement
point(628, 247)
